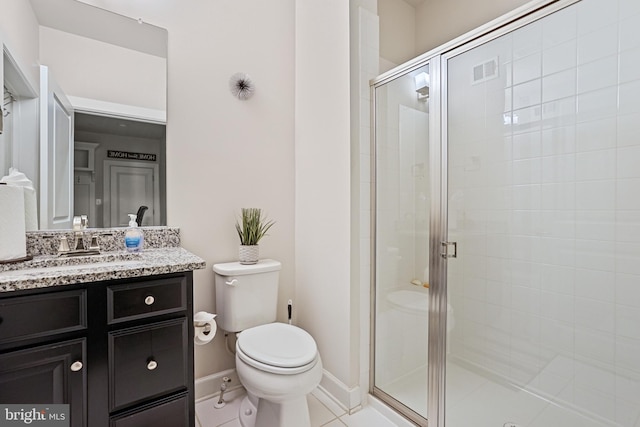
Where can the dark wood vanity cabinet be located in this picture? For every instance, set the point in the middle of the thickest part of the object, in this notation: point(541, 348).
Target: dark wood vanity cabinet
point(119, 352)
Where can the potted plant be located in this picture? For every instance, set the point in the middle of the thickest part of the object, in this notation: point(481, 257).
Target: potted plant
point(251, 228)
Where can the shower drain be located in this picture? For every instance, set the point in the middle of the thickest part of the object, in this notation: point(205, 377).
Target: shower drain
point(510, 424)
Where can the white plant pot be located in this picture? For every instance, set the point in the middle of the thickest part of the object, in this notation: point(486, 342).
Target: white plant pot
point(248, 254)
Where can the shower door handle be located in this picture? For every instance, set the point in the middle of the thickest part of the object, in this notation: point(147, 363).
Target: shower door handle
point(445, 250)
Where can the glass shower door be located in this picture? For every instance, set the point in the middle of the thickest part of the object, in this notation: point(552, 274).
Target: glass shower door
point(543, 184)
point(402, 202)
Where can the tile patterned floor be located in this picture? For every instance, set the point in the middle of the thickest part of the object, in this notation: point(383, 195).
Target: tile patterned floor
point(323, 411)
point(473, 401)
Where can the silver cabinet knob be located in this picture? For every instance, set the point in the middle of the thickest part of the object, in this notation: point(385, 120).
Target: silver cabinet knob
point(149, 300)
point(76, 366)
point(151, 365)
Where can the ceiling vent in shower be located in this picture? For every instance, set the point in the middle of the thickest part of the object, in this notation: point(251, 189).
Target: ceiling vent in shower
point(485, 71)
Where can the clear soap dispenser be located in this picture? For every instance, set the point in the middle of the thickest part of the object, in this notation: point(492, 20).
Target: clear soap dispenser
point(133, 238)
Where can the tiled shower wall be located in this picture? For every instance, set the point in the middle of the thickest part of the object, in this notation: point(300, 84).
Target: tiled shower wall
point(544, 202)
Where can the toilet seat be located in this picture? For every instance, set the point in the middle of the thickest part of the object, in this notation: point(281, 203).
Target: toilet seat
point(278, 348)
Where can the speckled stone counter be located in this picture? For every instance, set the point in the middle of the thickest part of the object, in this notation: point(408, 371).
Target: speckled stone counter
point(109, 239)
point(162, 255)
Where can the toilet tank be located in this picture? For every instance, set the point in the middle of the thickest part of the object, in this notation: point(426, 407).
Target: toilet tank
point(246, 295)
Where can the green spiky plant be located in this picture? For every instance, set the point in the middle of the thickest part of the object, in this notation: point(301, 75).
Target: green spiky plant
point(252, 226)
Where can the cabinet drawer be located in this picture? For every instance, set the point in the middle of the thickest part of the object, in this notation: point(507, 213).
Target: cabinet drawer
point(150, 298)
point(147, 361)
point(168, 413)
point(37, 316)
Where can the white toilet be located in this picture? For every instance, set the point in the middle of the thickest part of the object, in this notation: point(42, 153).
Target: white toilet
point(278, 364)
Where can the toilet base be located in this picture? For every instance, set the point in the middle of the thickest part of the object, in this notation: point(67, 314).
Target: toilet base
point(262, 413)
point(247, 412)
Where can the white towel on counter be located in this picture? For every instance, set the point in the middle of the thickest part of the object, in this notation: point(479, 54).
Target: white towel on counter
point(13, 240)
point(18, 179)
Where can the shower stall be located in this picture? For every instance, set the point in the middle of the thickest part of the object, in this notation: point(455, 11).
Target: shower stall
point(506, 273)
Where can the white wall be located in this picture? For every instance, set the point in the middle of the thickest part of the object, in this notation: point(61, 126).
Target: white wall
point(397, 30)
point(224, 154)
point(407, 31)
point(19, 38)
point(19, 33)
point(439, 21)
point(322, 208)
point(365, 54)
point(93, 69)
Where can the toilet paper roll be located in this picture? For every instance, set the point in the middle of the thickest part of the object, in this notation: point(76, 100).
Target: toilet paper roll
point(205, 327)
point(13, 241)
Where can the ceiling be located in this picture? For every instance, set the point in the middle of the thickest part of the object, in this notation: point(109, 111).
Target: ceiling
point(84, 20)
point(116, 126)
point(415, 3)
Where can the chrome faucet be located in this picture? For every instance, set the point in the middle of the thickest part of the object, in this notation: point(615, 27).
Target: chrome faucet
point(80, 224)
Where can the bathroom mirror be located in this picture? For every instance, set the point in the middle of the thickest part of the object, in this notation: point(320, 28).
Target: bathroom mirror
point(112, 69)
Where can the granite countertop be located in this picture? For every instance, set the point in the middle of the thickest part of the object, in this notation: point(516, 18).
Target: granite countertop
point(46, 271)
point(162, 255)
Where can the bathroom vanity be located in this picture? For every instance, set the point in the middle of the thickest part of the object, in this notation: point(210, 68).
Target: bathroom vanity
point(110, 335)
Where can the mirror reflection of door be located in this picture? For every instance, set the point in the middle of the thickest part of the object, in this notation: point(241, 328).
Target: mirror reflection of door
point(114, 186)
point(56, 162)
point(129, 186)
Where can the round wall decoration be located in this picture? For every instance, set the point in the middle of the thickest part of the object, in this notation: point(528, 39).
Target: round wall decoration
point(241, 86)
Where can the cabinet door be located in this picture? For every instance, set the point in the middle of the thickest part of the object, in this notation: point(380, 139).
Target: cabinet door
point(147, 362)
point(49, 374)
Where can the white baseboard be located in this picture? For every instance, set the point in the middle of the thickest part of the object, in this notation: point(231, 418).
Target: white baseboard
point(209, 386)
point(349, 398)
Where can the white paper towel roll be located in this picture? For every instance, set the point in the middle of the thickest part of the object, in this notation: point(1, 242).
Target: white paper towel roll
point(205, 327)
point(18, 179)
point(30, 209)
point(13, 241)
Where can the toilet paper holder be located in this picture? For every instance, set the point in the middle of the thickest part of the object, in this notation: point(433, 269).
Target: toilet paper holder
point(202, 324)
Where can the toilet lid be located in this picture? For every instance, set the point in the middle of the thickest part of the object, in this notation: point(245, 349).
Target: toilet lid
point(278, 344)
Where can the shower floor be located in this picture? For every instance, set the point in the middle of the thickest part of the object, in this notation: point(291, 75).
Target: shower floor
point(478, 401)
